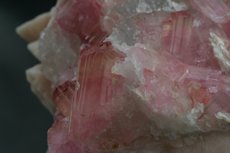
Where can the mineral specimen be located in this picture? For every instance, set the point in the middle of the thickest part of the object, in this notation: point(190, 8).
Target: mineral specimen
point(133, 75)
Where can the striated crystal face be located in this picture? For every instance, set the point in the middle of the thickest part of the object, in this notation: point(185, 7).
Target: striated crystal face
point(128, 74)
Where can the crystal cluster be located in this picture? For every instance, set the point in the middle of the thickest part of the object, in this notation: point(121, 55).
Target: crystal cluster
point(124, 75)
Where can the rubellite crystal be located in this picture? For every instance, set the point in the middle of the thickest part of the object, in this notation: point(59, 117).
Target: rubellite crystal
point(134, 75)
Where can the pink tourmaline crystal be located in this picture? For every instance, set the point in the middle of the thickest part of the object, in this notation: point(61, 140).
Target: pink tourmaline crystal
point(128, 73)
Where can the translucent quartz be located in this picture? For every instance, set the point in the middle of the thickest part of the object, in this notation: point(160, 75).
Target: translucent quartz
point(170, 88)
point(126, 73)
point(58, 54)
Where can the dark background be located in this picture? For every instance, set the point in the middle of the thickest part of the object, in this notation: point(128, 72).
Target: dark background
point(23, 120)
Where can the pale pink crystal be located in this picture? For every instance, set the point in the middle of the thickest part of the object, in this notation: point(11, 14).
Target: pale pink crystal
point(217, 10)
